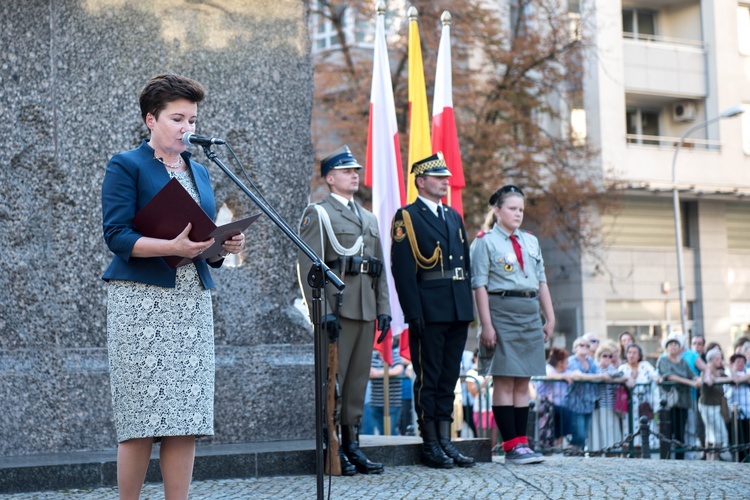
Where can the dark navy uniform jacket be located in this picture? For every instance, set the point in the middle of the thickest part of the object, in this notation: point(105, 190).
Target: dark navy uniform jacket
point(434, 300)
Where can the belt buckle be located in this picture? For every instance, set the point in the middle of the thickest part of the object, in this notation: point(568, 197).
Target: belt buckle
point(458, 274)
point(526, 295)
point(364, 267)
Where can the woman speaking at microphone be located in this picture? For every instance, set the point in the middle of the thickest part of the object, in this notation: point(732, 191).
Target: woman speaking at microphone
point(507, 275)
point(159, 320)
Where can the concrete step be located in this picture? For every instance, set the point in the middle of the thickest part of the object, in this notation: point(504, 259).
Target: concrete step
point(84, 470)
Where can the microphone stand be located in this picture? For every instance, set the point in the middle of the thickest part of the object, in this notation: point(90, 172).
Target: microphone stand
point(320, 274)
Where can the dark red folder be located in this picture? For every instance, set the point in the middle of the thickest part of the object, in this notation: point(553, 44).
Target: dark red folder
point(170, 211)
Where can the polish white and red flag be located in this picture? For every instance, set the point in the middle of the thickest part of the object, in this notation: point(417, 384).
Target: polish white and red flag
point(384, 174)
point(444, 134)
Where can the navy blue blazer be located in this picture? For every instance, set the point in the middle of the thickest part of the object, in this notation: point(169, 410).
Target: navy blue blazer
point(434, 300)
point(131, 180)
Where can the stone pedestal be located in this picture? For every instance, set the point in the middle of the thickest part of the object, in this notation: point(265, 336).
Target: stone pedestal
point(70, 74)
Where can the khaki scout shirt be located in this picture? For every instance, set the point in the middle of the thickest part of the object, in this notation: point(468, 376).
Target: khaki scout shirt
point(494, 263)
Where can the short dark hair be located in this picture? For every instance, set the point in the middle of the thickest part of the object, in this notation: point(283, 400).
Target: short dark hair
point(556, 355)
point(160, 90)
point(640, 351)
point(736, 356)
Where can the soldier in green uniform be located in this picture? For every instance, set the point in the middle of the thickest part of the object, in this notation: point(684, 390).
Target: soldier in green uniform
point(345, 235)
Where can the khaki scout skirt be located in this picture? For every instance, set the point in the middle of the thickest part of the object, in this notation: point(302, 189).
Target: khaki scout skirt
point(519, 351)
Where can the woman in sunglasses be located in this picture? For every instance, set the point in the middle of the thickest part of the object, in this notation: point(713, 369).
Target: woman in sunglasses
point(580, 400)
point(605, 423)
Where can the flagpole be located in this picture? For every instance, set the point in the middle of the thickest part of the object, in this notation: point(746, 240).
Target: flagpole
point(420, 144)
point(444, 133)
point(384, 168)
point(445, 18)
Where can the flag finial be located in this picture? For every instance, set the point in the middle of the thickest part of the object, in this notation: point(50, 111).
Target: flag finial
point(412, 13)
point(446, 18)
point(381, 7)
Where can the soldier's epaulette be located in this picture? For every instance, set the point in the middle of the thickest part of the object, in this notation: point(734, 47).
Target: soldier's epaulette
point(306, 218)
point(527, 231)
point(480, 234)
point(398, 227)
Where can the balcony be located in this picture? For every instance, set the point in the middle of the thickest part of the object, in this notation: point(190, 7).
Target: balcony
point(664, 66)
point(671, 142)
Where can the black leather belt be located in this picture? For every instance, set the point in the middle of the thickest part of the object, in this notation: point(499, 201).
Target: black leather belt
point(456, 274)
point(360, 266)
point(511, 293)
point(334, 264)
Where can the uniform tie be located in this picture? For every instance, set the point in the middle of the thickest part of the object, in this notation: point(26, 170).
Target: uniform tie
point(353, 208)
point(517, 249)
point(440, 213)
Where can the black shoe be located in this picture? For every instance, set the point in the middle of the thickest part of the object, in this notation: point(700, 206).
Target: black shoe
point(350, 445)
point(432, 453)
point(347, 468)
point(444, 433)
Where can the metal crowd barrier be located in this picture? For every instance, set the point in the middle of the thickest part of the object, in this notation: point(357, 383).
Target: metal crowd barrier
point(619, 429)
point(642, 425)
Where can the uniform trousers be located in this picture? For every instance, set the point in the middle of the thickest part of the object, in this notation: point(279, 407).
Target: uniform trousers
point(355, 354)
point(436, 358)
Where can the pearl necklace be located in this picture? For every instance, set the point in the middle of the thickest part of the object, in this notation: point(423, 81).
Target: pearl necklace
point(179, 165)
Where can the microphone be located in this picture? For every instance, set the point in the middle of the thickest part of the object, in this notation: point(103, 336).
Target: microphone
point(189, 138)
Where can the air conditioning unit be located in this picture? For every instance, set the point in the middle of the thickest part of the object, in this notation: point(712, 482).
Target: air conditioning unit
point(683, 111)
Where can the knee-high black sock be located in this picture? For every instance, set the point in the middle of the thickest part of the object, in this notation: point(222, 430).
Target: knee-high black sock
point(522, 420)
point(505, 420)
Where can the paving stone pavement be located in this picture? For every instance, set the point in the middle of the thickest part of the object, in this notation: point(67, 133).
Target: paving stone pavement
point(558, 478)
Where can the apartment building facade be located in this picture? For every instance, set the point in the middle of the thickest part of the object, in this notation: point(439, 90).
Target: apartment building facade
point(656, 69)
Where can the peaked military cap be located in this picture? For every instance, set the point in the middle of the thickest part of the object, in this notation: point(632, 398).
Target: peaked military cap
point(432, 165)
point(340, 159)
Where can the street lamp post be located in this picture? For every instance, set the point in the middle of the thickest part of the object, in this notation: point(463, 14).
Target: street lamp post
point(733, 111)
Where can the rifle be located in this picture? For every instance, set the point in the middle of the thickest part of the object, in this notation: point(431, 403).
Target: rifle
point(333, 404)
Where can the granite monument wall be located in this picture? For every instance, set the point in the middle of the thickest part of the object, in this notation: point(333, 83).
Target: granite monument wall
point(70, 74)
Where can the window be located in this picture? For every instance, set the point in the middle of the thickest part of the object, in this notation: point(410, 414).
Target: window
point(743, 30)
point(578, 130)
point(364, 29)
point(639, 24)
point(324, 34)
point(738, 226)
point(574, 19)
point(649, 321)
point(688, 218)
point(641, 222)
point(357, 24)
point(643, 126)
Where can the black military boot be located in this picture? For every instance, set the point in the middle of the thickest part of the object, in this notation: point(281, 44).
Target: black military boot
point(444, 438)
point(350, 444)
point(432, 453)
point(347, 468)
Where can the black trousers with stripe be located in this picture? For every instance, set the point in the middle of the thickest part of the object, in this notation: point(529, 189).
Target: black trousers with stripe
point(436, 358)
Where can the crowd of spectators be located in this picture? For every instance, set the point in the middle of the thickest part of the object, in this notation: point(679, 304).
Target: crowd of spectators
point(593, 398)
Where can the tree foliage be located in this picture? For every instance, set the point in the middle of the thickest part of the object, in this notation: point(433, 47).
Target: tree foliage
point(517, 75)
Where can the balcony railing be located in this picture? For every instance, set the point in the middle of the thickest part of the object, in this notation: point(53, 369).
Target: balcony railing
point(671, 142)
point(663, 39)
